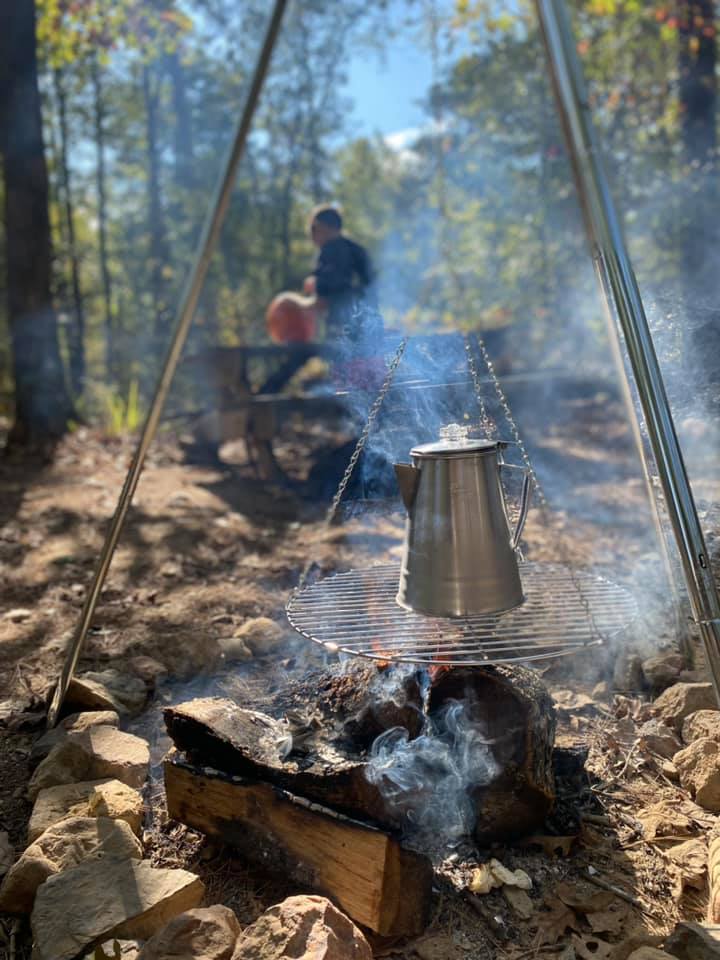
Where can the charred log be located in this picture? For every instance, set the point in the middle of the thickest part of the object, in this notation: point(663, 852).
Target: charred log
point(317, 744)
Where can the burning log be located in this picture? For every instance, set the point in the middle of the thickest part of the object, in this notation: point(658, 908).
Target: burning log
point(365, 871)
point(356, 742)
point(515, 711)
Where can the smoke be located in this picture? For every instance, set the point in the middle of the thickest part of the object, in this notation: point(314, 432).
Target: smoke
point(431, 779)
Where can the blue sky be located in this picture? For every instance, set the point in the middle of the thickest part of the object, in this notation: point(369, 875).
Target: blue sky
point(386, 90)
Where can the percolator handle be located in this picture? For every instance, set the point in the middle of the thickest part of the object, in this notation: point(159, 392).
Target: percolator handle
point(524, 502)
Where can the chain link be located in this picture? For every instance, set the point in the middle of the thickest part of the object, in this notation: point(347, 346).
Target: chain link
point(488, 426)
point(359, 447)
point(545, 512)
point(504, 403)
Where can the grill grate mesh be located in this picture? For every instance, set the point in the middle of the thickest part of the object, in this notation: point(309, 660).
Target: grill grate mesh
point(356, 613)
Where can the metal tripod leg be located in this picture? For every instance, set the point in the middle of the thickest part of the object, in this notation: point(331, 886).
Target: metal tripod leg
point(625, 304)
point(185, 312)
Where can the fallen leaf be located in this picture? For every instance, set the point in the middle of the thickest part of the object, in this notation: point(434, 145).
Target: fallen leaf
point(519, 901)
point(568, 953)
point(621, 951)
point(590, 948)
point(551, 846)
point(553, 922)
point(584, 897)
point(613, 920)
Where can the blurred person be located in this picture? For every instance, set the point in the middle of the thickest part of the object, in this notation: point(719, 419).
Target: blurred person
point(343, 282)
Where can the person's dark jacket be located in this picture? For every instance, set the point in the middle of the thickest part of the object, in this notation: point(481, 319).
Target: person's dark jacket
point(343, 267)
point(344, 278)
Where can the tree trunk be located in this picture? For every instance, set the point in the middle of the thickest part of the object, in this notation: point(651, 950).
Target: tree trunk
point(184, 165)
point(76, 337)
point(101, 186)
point(156, 225)
point(42, 404)
point(698, 103)
point(698, 85)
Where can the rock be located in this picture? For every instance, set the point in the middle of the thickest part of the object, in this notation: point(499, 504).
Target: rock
point(702, 723)
point(63, 846)
point(627, 674)
point(659, 739)
point(95, 798)
point(679, 701)
point(519, 901)
point(7, 854)
point(690, 860)
point(234, 649)
point(209, 933)
point(699, 769)
point(75, 723)
point(129, 950)
point(94, 754)
point(151, 672)
point(107, 690)
point(601, 690)
point(261, 635)
point(694, 941)
point(101, 899)
point(662, 670)
point(306, 928)
point(668, 769)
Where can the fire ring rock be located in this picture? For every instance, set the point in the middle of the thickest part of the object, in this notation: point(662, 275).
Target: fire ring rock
point(63, 846)
point(96, 753)
point(208, 933)
point(699, 768)
point(303, 928)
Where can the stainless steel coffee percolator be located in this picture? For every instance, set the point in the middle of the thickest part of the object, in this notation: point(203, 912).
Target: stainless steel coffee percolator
point(459, 557)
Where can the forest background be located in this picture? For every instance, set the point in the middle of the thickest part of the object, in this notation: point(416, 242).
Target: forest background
point(115, 118)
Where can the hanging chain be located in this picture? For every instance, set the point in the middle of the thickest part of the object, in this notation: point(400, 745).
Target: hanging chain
point(545, 512)
point(488, 426)
point(359, 447)
point(505, 407)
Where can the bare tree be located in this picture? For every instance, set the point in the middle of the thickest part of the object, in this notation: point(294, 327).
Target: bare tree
point(42, 404)
point(76, 338)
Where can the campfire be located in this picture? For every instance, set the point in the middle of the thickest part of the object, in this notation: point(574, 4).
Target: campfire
point(348, 774)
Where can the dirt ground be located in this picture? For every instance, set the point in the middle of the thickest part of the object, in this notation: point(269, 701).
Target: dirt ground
point(206, 548)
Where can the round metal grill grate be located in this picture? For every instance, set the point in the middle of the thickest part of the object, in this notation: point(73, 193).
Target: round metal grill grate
point(563, 613)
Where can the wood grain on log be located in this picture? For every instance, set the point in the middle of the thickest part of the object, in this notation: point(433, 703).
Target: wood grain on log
point(365, 871)
point(714, 877)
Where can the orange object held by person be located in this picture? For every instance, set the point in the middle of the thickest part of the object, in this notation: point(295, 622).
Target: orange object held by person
point(292, 318)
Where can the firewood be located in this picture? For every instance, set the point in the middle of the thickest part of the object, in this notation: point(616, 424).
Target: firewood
point(364, 870)
point(514, 710)
point(714, 877)
point(511, 707)
point(218, 733)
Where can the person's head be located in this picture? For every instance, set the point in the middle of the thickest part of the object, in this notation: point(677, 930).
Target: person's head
point(325, 224)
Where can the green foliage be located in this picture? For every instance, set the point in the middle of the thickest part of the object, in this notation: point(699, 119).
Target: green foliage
point(472, 222)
